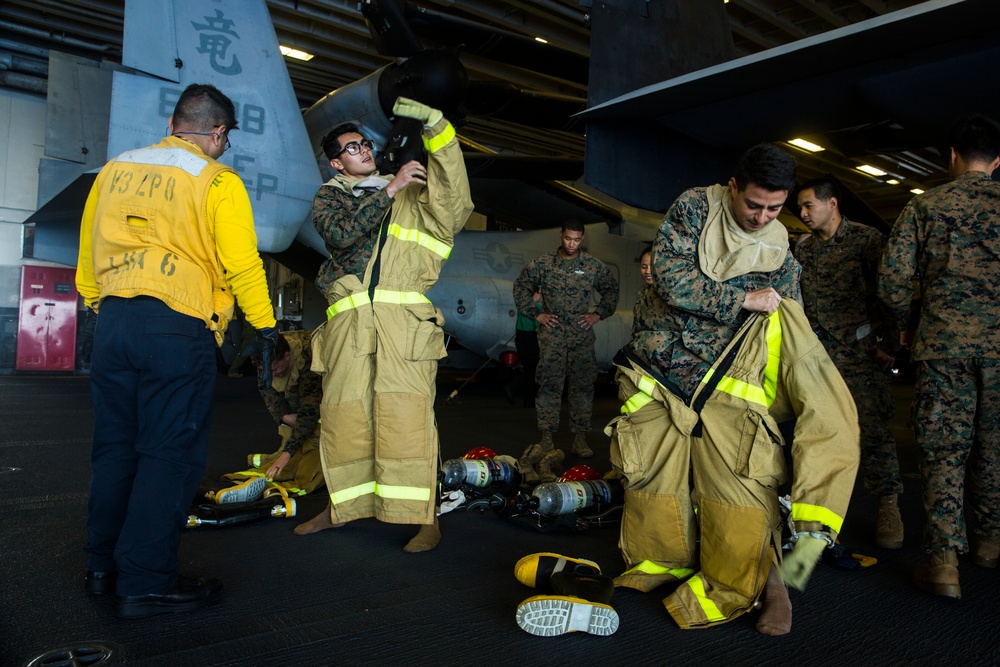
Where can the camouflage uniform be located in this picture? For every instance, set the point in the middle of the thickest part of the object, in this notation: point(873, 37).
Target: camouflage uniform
point(838, 289)
point(685, 331)
point(567, 350)
point(951, 236)
point(298, 392)
point(349, 227)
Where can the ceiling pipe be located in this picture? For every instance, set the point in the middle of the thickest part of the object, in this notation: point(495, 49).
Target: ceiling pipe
point(16, 63)
point(32, 84)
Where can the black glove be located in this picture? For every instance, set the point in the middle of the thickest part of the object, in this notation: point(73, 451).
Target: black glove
point(262, 349)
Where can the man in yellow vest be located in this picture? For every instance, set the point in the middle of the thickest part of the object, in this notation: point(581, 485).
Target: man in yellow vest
point(388, 237)
point(166, 243)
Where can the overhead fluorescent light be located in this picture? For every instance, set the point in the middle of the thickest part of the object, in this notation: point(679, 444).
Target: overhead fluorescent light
point(806, 145)
point(917, 191)
point(542, 40)
point(893, 181)
point(874, 171)
point(294, 53)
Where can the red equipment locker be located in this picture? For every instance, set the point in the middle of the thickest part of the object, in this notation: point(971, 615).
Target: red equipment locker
point(46, 329)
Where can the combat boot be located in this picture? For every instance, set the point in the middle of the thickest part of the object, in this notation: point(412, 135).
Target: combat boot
point(526, 464)
point(985, 552)
point(549, 468)
point(580, 447)
point(546, 442)
point(939, 575)
point(889, 525)
point(582, 603)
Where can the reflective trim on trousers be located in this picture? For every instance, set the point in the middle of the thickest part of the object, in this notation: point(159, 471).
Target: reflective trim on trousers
point(381, 490)
point(649, 567)
point(750, 393)
point(711, 610)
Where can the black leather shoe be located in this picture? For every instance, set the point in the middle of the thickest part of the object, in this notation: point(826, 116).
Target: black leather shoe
point(100, 583)
point(187, 595)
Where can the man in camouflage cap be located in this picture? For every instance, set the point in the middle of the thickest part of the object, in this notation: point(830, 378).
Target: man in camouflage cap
point(839, 266)
point(950, 237)
point(567, 279)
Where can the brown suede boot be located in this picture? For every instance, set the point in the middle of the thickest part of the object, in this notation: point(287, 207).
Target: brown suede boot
point(526, 464)
point(580, 447)
point(775, 607)
point(546, 442)
point(549, 468)
point(939, 575)
point(889, 525)
point(985, 552)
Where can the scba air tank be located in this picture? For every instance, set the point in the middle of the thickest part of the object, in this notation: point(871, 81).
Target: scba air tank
point(555, 498)
point(479, 473)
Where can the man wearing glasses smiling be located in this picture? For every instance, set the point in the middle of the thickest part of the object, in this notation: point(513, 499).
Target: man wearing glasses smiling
point(388, 236)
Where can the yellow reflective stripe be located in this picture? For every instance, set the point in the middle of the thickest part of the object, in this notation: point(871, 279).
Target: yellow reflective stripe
point(649, 567)
point(751, 393)
point(249, 473)
point(712, 612)
point(636, 402)
point(421, 239)
point(399, 298)
point(773, 338)
point(347, 303)
point(802, 512)
point(256, 460)
point(381, 296)
point(740, 389)
point(381, 490)
point(436, 143)
point(644, 396)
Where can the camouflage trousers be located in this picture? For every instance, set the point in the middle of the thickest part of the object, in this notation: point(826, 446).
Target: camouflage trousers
point(956, 411)
point(869, 387)
point(566, 357)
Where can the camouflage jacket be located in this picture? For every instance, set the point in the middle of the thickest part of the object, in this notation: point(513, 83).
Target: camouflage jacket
point(838, 283)
point(950, 236)
point(567, 286)
point(681, 334)
point(299, 392)
point(349, 227)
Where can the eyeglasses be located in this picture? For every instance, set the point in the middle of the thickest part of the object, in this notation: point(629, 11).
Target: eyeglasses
point(355, 147)
point(210, 134)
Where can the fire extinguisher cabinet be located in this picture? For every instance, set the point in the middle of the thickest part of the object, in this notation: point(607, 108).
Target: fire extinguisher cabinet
point(46, 331)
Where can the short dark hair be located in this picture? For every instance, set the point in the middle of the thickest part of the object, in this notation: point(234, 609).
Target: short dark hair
point(767, 166)
point(648, 250)
point(574, 225)
point(975, 136)
point(823, 187)
point(203, 106)
point(281, 348)
point(331, 142)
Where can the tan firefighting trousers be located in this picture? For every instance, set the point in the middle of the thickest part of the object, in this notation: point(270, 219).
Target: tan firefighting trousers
point(379, 441)
point(720, 483)
point(301, 475)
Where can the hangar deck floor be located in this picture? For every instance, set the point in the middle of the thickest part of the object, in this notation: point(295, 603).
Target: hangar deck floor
point(352, 597)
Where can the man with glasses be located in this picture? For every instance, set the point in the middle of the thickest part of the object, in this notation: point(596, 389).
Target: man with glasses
point(388, 237)
point(166, 243)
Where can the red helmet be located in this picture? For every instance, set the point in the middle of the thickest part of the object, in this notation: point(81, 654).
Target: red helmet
point(579, 473)
point(480, 453)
